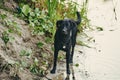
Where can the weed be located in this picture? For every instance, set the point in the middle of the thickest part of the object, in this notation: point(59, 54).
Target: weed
point(3, 16)
point(37, 20)
point(99, 28)
point(34, 68)
point(13, 27)
point(5, 37)
point(48, 40)
point(40, 44)
point(43, 18)
point(81, 43)
point(77, 65)
point(27, 53)
point(26, 10)
point(85, 21)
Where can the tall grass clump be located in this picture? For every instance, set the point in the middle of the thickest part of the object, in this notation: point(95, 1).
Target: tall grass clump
point(43, 14)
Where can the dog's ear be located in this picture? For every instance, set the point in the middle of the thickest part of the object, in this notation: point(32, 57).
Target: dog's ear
point(71, 24)
point(58, 23)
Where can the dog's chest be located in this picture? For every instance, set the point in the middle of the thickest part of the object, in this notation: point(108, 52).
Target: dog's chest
point(63, 42)
point(64, 46)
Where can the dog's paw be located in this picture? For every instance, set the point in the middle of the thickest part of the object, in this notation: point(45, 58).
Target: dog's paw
point(73, 78)
point(52, 71)
point(67, 78)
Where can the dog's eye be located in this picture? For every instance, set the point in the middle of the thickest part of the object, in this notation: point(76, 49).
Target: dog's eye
point(58, 25)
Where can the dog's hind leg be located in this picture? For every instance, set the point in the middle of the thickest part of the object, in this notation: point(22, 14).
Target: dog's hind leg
point(55, 61)
point(73, 74)
point(73, 46)
point(71, 55)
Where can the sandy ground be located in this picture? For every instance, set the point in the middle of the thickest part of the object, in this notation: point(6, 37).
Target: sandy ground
point(102, 61)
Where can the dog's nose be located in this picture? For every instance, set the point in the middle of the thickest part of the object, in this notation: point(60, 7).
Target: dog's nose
point(64, 32)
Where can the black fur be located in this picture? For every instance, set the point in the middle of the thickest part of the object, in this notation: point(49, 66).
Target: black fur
point(65, 39)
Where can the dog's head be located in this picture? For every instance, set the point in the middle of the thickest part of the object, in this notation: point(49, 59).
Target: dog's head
point(64, 26)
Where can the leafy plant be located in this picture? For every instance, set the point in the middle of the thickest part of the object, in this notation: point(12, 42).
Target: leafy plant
point(5, 37)
point(85, 21)
point(77, 65)
point(12, 25)
point(36, 69)
point(42, 18)
point(48, 40)
point(26, 10)
point(37, 20)
point(61, 57)
point(3, 16)
point(51, 5)
point(40, 44)
point(26, 52)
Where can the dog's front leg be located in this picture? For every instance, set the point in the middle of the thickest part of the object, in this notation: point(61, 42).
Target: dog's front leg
point(68, 61)
point(55, 61)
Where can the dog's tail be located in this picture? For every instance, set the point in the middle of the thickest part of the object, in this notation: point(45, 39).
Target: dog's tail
point(78, 21)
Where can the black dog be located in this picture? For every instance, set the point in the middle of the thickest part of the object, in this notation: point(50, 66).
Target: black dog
point(65, 39)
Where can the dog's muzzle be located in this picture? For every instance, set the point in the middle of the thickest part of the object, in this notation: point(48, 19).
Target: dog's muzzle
point(64, 31)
